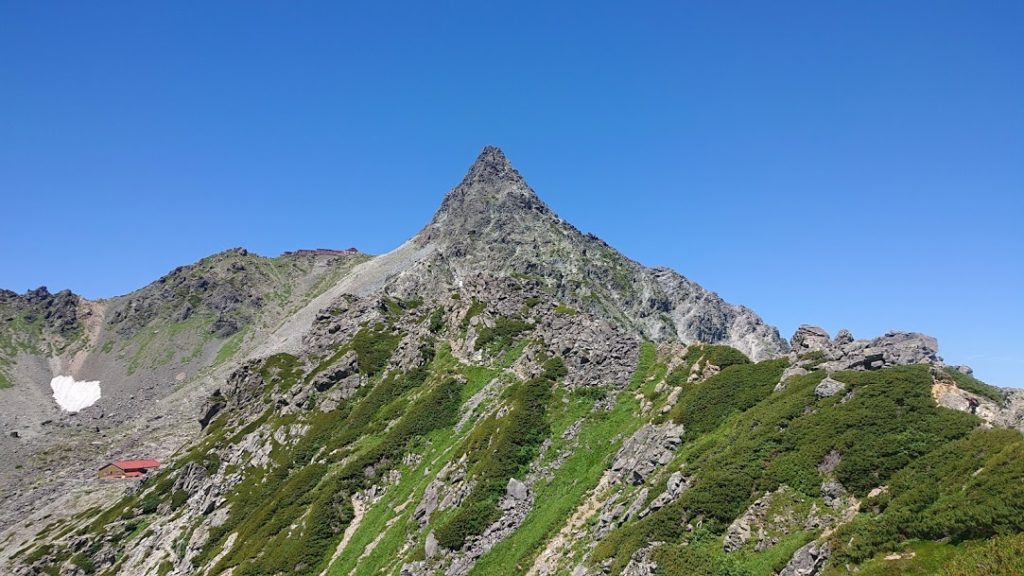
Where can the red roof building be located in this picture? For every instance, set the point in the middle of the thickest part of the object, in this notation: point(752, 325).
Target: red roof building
point(127, 469)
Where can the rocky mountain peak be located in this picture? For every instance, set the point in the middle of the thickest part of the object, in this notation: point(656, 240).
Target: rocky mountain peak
point(492, 166)
point(491, 197)
point(493, 224)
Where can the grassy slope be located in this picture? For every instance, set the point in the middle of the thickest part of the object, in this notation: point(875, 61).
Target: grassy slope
point(949, 483)
point(599, 438)
point(888, 431)
point(381, 520)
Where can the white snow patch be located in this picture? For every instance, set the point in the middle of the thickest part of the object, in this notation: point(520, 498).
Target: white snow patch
point(73, 395)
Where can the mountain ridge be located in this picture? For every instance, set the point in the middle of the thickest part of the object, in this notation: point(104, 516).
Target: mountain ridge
point(501, 393)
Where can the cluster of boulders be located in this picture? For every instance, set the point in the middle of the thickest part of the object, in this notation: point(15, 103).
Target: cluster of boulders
point(845, 353)
point(649, 448)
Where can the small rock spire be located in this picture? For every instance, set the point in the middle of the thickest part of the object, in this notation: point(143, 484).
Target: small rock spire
point(491, 166)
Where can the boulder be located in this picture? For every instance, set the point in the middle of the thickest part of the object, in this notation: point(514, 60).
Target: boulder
point(431, 546)
point(810, 338)
point(517, 489)
point(828, 388)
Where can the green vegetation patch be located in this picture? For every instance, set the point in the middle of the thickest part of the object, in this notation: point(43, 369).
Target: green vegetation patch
point(721, 356)
point(499, 449)
point(289, 517)
point(999, 556)
point(888, 422)
point(502, 335)
point(968, 489)
point(436, 320)
point(374, 347)
point(566, 310)
point(738, 387)
point(383, 524)
point(280, 372)
point(475, 308)
point(230, 347)
point(599, 438)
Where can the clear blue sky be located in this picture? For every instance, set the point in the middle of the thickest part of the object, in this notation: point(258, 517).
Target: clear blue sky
point(847, 164)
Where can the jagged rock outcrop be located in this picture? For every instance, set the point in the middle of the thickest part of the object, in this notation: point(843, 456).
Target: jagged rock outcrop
point(58, 313)
point(189, 290)
point(845, 353)
point(677, 483)
point(809, 560)
point(771, 517)
point(809, 338)
point(642, 453)
point(211, 408)
point(1006, 414)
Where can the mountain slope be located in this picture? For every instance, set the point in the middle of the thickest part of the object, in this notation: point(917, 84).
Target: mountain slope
point(505, 395)
point(154, 352)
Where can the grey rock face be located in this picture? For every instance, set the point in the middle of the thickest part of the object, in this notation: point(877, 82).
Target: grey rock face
point(701, 316)
point(431, 547)
point(677, 483)
point(341, 372)
point(738, 533)
point(191, 478)
point(808, 560)
point(213, 406)
point(644, 451)
point(830, 461)
point(833, 493)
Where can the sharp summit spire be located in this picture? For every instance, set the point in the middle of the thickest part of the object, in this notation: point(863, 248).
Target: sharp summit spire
point(491, 167)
